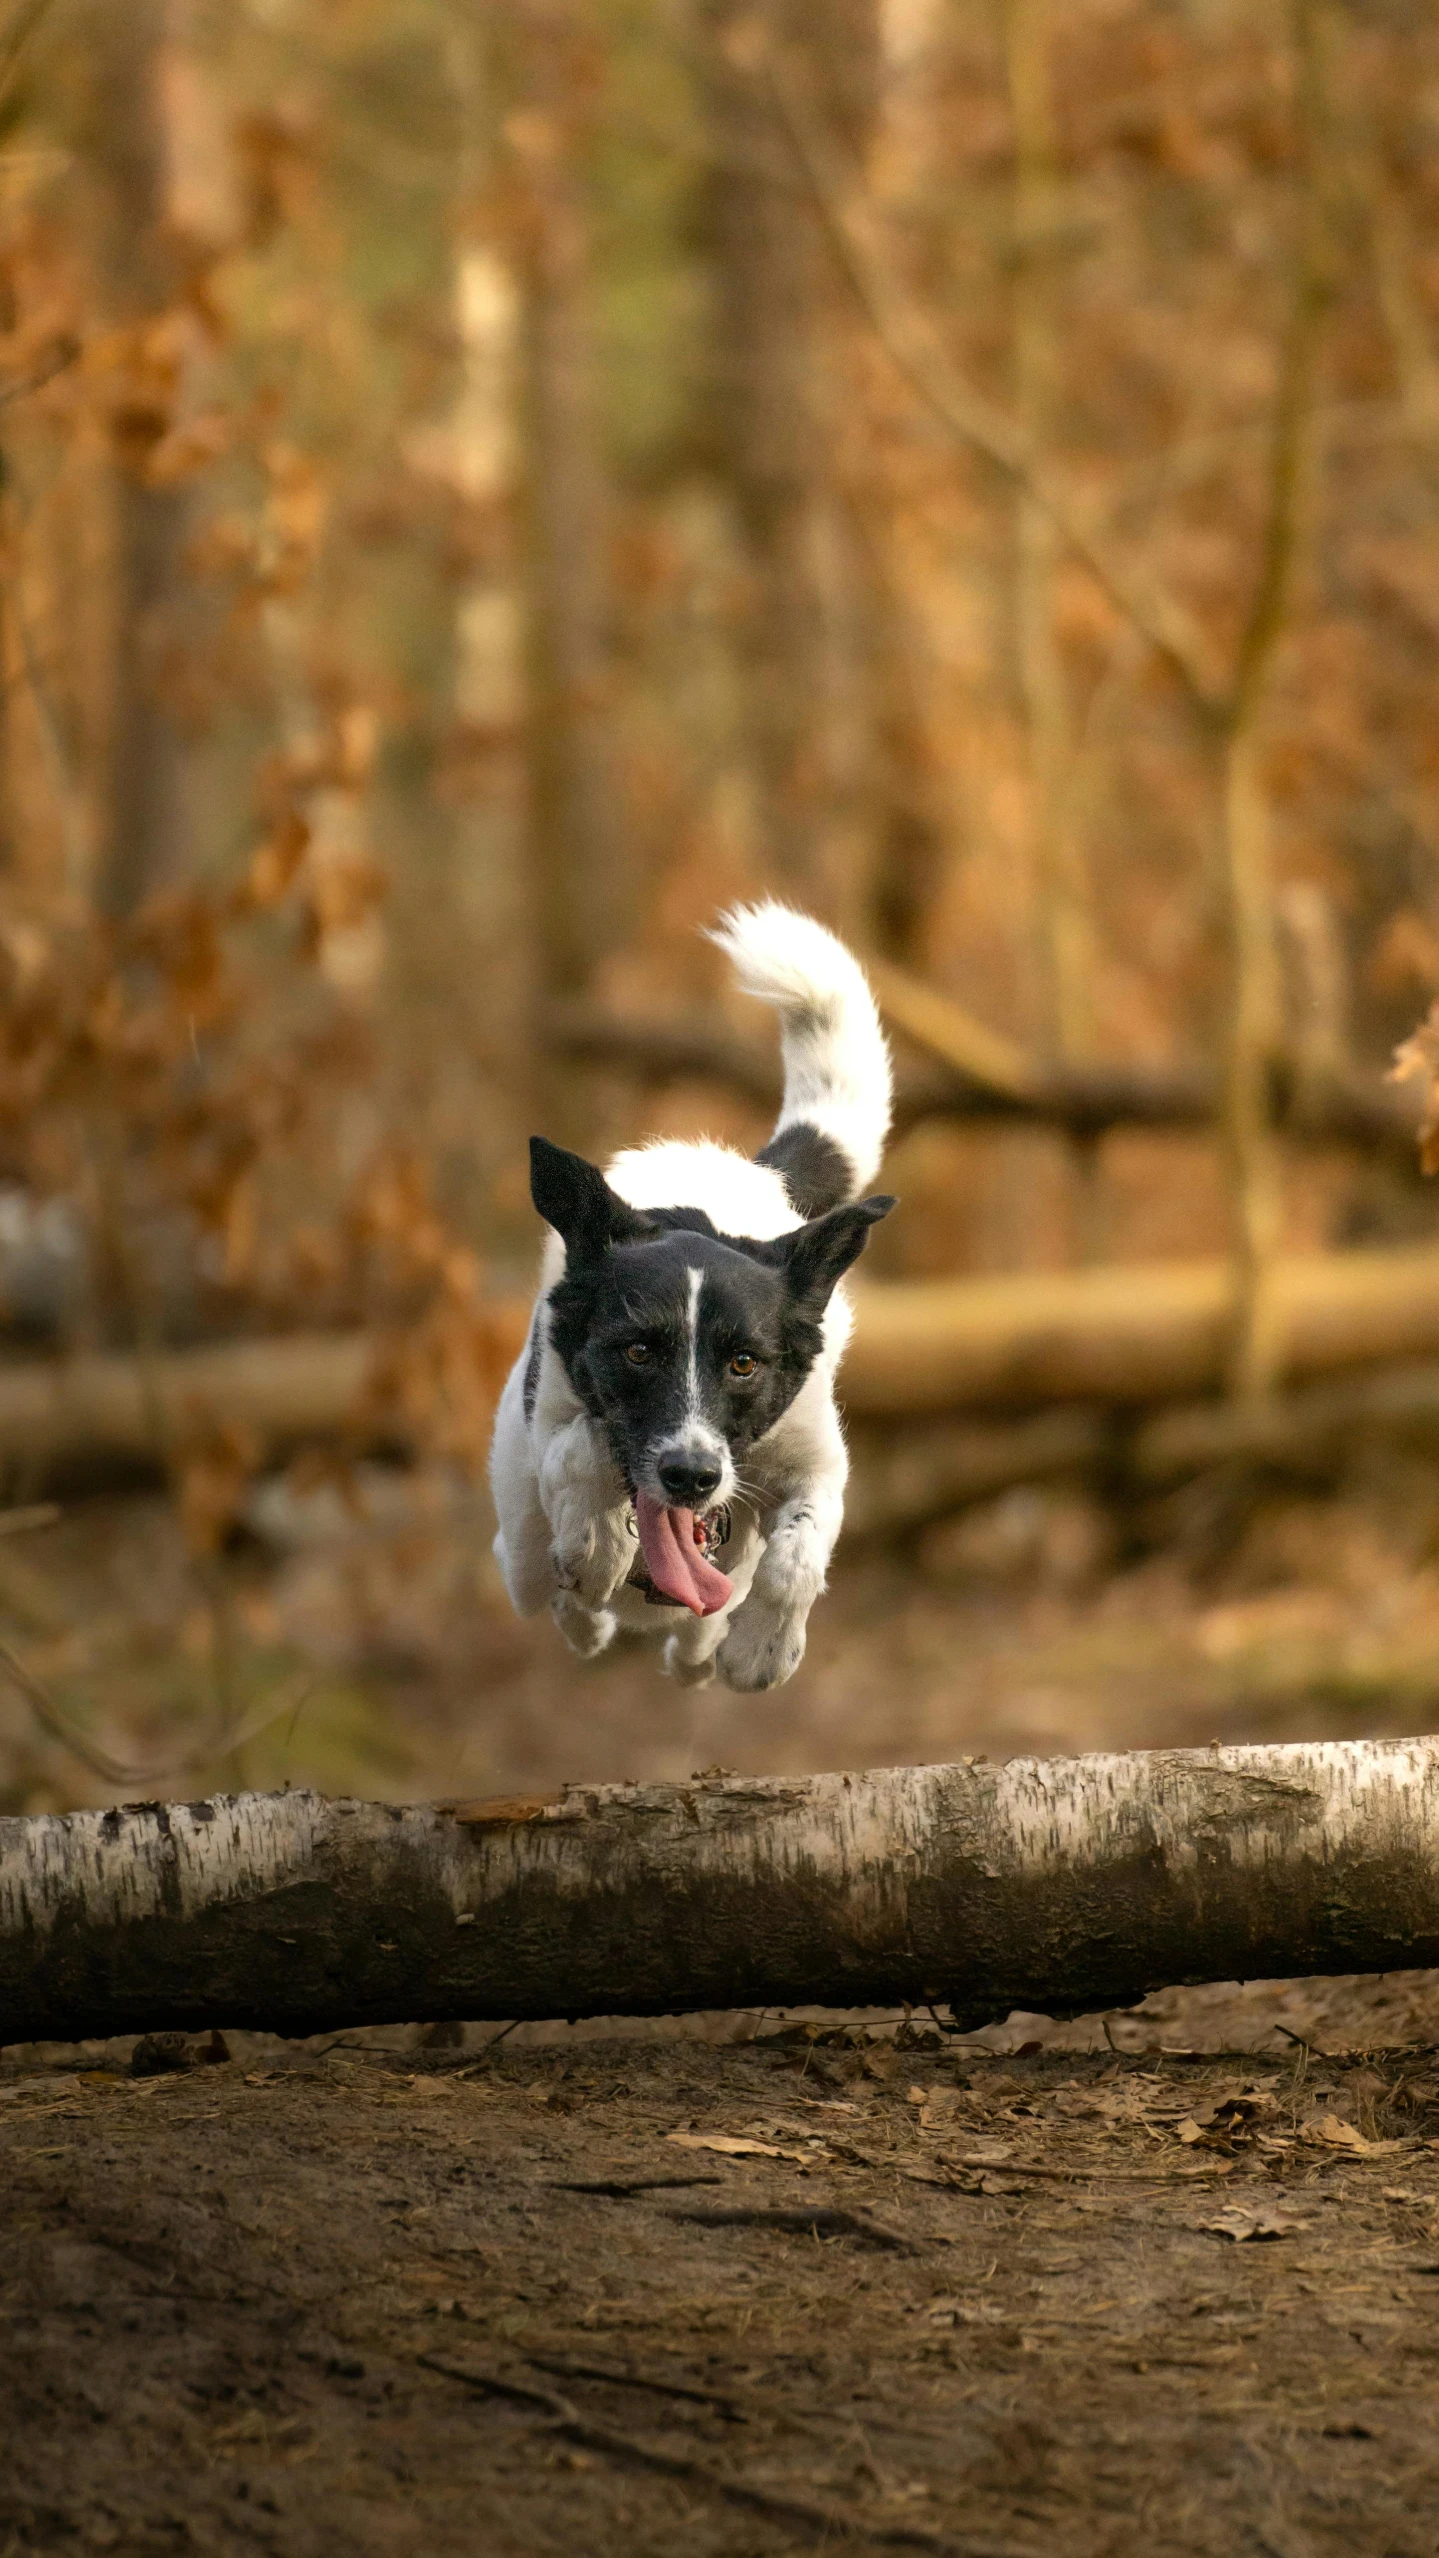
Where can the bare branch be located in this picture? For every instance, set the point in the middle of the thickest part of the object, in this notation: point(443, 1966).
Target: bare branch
point(917, 352)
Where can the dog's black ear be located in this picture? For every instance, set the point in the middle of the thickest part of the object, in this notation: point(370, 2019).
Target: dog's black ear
point(817, 1255)
point(574, 1197)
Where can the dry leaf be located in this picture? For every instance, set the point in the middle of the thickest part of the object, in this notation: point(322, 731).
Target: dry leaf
point(1417, 1057)
point(732, 2145)
point(1335, 2133)
point(1241, 2225)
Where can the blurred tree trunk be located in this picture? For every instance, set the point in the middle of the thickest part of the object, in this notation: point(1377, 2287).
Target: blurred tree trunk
point(912, 840)
point(1256, 1017)
point(808, 636)
point(142, 831)
point(580, 872)
point(1066, 948)
point(481, 458)
point(1066, 951)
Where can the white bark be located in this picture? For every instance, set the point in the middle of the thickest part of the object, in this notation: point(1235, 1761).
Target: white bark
point(1059, 1886)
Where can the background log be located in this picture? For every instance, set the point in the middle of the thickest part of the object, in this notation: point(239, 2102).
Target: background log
point(62, 1417)
point(1115, 1335)
point(1057, 1886)
point(1342, 1107)
point(901, 1478)
point(1126, 1334)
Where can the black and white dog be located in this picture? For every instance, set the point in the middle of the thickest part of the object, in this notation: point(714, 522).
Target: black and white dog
point(669, 1439)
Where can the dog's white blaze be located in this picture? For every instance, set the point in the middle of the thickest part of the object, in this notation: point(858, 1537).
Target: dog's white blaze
point(696, 1279)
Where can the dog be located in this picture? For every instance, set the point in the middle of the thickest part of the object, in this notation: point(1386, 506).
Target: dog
point(668, 1454)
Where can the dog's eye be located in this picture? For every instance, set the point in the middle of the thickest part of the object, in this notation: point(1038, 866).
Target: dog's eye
point(743, 1364)
point(637, 1353)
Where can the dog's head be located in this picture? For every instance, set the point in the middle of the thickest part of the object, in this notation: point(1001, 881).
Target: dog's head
point(686, 1343)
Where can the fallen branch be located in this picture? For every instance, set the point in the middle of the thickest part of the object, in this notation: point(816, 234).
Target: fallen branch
point(1109, 1336)
point(1306, 1434)
point(1060, 1886)
point(55, 1413)
point(901, 1478)
point(821, 2220)
point(1132, 1335)
point(1086, 1099)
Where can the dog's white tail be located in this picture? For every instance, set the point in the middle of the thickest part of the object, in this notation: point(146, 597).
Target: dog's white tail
point(835, 1114)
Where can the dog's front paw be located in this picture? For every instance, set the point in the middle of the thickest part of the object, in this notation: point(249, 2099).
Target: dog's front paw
point(761, 1651)
point(586, 1630)
point(590, 1564)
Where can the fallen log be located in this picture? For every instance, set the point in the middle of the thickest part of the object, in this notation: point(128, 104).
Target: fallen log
point(901, 1479)
point(1309, 1433)
point(64, 1418)
point(1118, 1333)
point(107, 1408)
point(1086, 1098)
point(1059, 1886)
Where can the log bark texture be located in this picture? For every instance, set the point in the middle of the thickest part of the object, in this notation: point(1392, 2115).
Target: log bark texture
point(1060, 1886)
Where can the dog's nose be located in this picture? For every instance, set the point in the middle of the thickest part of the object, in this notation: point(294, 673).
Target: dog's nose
point(689, 1481)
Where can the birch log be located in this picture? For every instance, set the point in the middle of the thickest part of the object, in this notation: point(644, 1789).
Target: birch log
point(1058, 1886)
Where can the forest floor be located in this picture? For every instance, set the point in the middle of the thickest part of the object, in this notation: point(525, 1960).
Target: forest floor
point(1161, 2281)
point(644, 2297)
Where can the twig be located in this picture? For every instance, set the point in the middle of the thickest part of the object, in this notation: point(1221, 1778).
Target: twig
point(563, 2368)
point(825, 2220)
point(619, 2189)
point(830, 2520)
point(53, 1719)
point(62, 356)
point(1014, 2167)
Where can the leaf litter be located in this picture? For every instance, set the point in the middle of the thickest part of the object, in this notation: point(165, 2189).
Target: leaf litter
point(627, 2337)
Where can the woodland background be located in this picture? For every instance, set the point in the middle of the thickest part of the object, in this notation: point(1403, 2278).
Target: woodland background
point(485, 486)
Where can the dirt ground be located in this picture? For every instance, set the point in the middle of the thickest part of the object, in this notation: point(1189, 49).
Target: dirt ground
point(1164, 2281)
point(943, 2298)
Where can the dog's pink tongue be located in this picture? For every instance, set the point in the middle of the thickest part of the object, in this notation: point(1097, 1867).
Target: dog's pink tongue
point(674, 1561)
